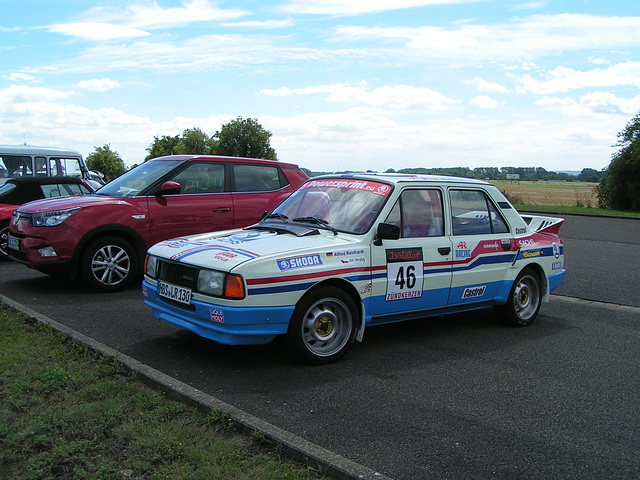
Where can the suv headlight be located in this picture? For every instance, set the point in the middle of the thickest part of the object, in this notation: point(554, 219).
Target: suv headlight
point(211, 282)
point(52, 219)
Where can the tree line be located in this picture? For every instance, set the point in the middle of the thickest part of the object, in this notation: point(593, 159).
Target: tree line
point(618, 184)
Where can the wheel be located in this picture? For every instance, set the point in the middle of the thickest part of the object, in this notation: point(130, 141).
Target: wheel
point(4, 249)
point(322, 327)
point(524, 300)
point(108, 264)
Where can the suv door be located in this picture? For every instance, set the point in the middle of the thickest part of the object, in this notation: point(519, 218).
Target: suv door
point(257, 189)
point(203, 204)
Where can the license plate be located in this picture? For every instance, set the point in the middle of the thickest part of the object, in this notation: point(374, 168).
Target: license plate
point(13, 243)
point(174, 292)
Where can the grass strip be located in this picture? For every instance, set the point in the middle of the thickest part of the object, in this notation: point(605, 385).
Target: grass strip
point(69, 412)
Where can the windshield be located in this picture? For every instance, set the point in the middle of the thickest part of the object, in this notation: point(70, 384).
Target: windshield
point(342, 204)
point(137, 179)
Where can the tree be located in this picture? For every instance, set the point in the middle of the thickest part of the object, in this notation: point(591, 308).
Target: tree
point(104, 160)
point(619, 189)
point(192, 141)
point(244, 138)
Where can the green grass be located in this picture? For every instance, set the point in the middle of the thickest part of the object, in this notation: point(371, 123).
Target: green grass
point(574, 210)
point(69, 412)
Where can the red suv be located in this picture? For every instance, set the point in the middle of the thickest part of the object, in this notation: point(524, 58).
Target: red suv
point(102, 238)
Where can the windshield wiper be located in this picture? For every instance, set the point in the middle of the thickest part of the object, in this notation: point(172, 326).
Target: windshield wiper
point(316, 221)
point(281, 216)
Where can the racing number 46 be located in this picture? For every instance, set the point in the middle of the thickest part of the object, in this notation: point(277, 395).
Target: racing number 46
point(410, 280)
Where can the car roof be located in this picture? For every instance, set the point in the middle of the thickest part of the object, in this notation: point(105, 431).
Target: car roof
point(35, 150)
point(223, 158)
point(43, 180)
point(403, 178)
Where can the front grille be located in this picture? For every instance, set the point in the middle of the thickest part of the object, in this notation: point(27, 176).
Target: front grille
point(178, 274)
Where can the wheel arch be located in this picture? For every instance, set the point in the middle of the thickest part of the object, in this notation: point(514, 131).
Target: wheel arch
point(542, 277)
point(350, 290)
point(128, 234)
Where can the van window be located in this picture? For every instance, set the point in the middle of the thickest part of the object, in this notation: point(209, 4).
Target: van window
point(69, 167)
point(16, 166)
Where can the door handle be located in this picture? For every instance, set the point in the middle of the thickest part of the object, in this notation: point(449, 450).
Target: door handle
point(221, 209)
point(444, 250)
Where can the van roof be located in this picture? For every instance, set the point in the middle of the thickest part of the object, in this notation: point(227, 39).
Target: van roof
point(34, 150)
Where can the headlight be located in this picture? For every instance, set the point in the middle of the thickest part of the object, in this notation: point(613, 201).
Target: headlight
point(151, 266)
point(220, 284)
point(210, 282)
point(51, 219)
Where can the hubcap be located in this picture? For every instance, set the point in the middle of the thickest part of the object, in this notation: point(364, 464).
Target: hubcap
point(526, 297)
point(110, 265)
point(326, 327)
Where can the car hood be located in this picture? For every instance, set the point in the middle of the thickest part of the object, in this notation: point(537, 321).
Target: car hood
point(227, 250)
point(63, 203)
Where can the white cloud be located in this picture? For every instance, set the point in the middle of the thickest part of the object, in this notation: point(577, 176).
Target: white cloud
point(525, 38)
point(592, 104)
point(485, 102)
point(357, 7)
point(399, 97)
point(98, 84)
point(19, 77)
point(563, 79)
point(486, 86)
point(150, 15)
point(97, 32)
point(16, 94)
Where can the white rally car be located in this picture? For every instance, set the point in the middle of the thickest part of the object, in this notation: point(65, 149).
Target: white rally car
point(348, 251)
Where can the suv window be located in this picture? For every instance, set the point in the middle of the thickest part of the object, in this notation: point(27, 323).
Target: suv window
point(256, 178)
point(64, 190)
point(201, 177)
point(471, 211)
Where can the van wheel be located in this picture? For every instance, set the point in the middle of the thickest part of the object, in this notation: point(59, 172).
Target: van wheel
point(4, 248)
point(524, 300)
point(108, 264)
point(323, 326)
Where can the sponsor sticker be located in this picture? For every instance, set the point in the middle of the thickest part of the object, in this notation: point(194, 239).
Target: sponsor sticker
point(528, 242)
point(534, 253)
point(405, 273)
point(373, 187)
point(556, 250)
point(474, 292)
point(521, 231)
point(216, 315)
point(301, 261)
point(556, 265)
point(462, 251)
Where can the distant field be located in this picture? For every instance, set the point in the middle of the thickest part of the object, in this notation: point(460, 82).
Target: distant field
point(550, 193)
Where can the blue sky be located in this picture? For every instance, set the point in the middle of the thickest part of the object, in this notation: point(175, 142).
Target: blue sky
point(342, 85)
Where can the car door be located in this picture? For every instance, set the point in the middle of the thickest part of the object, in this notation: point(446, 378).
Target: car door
point(481, 245)
point(203, 204)
point(257, 188)
point(413, 273)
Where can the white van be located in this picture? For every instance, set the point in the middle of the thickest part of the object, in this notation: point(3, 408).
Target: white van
point(31, 161)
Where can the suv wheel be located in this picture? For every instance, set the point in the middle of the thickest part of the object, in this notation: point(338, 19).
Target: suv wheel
point(108, 264)
point(4, 232)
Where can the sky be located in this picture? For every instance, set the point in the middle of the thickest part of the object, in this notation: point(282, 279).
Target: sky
point(341, 85)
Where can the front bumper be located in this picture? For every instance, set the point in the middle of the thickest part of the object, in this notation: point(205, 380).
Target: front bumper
point(228, 325)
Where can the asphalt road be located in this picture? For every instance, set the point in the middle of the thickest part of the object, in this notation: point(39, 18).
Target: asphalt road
point(458, 397)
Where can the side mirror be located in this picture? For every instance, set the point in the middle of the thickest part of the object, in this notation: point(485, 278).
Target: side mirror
point(169, 188)
point(386, 231)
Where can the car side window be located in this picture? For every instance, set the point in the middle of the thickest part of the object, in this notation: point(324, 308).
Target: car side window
point(418, 213)
point(472, 213)
point(62, 190)
point(256, 178)
point(201, 177)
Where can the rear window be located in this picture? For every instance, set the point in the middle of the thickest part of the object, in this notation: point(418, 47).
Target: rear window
point(256, 178)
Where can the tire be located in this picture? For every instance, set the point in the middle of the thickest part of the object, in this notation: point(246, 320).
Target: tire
point(323, 326)
point(4, 249)
point(108, 264)
point(524, 300)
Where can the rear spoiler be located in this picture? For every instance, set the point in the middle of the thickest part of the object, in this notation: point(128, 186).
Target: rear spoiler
point(542, 224)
